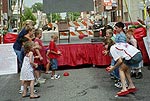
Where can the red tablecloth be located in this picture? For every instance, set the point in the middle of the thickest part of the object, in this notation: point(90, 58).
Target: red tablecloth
point(78, 54)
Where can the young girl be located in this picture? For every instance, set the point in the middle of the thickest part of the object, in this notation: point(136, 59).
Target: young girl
point(42, 60)
point(27, 73)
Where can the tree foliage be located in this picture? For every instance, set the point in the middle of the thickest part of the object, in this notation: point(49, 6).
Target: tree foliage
point(73, 16)
point(37, 7)
point(28, 15)
point(54, 17)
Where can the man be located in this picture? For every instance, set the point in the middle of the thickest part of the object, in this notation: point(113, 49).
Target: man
point(146, 24)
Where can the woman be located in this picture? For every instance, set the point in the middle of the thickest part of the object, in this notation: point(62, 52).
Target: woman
point(125, 56)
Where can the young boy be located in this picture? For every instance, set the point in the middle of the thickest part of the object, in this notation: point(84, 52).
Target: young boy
point(52, 54)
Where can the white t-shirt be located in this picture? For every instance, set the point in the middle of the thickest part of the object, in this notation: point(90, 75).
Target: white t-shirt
point(123, 50)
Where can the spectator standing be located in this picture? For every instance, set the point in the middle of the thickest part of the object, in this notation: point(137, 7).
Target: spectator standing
point(146, 24)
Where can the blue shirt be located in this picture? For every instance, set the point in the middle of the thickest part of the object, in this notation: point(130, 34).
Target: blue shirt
point(17, 45)
point(121, 38)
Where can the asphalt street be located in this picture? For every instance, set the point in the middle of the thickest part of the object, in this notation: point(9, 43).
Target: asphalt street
point(83, 84)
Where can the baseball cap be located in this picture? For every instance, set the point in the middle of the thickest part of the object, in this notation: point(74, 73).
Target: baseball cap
point(148, 7)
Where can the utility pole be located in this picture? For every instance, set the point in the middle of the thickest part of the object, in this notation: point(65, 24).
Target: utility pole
point(0, 11)
point(120, 11)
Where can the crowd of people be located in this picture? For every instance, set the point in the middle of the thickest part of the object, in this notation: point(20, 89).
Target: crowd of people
point(126, 58)
point(126, 54)
point(33, 56)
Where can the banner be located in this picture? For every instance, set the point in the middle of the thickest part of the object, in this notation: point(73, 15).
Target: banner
point(59, 6)
point(8, 59)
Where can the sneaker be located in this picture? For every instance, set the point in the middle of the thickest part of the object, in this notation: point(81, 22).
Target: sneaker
point(52, 77)
point(57, 76)
point(139, 75)
point(41, 80)
point(133, 74)
point(36, 84)
point(28, 91)
point(35, 91)
point(20, 91)
point(118, 85)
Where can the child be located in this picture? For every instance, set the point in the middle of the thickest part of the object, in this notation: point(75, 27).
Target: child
point(29, 32)
point(109, 34)
point(52, 54)
point(137, 73)
point(27, 73)
point(120, 38)
point(22, 40)
point(41, 52)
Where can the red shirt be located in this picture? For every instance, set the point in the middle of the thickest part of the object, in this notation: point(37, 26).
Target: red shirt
point(53, 47)
point(42, 52)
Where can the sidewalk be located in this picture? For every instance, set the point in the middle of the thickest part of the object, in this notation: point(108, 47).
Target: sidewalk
point(84, 84)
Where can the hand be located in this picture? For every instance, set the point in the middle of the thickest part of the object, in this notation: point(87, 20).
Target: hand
point(41, 58)
point(141, 21)
point(58, 52)
point(110, 68)
point(138, 19)
point(107, 69)
point(105, 52)
point(36, 65)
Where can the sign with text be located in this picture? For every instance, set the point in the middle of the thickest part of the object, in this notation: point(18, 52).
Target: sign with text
point(8, 59)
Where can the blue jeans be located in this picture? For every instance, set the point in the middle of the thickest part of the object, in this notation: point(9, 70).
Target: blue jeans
point(116, 70)
point(19, 56)
point(54, 64)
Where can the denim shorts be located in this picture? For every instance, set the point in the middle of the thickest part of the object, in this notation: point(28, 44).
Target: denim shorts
point(54, 64)
point(134, 61)
point(40, 67)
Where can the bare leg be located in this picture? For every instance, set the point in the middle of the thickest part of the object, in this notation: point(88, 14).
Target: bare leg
point(127, 73)
point(31, 88)
point(25, 84)
point(32, 95)
point(53, 72)
point(122, 70)
point(37, 74)
point(47, 67)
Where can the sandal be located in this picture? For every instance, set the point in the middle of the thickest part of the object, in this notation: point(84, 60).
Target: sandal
point(132, 90)
point(35, 96)
point(123, 93)
point(24, 96)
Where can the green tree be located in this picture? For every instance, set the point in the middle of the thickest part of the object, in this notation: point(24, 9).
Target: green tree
point(28, 15)
point(73, 15)
point(37, 7)
point(54, 17)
